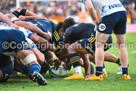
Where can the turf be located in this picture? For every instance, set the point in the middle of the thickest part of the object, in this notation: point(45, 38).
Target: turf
point(111, 83)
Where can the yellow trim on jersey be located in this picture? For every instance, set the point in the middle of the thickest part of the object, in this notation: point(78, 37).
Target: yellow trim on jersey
point(56, 36)
point(57, 47)
point(81, 40)
point(91, 40)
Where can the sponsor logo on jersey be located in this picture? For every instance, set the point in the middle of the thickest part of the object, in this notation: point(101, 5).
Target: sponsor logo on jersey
point(115, 6)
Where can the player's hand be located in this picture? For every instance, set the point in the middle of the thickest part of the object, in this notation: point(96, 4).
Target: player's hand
point(22, 17)
point(46, 36)
point(66, 67)
point(45, 19)
point(57, 64)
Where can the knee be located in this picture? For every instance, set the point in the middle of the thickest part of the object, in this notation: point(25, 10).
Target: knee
point(99, 44)
point(30, 59)
point(41, 58)
point(120, 44)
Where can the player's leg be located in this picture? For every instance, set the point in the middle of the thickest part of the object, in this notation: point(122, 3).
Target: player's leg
point(120, 30)
point(74, 58)
point(19, 66)
point(27, 55)
point(33, 66)
point(123, 55)
point(99, 55)
point(109, 57)
point(104, 29)
point(122, 50)
point(89, 69)
point(6, 67)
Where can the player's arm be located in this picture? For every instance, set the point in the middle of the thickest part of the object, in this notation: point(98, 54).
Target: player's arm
point(24, 12)
point(33, 28)
point(31, 17)
point(39, 55)
point(86, 64)
point(92, 12)
point(45, 43)
point(5, 19)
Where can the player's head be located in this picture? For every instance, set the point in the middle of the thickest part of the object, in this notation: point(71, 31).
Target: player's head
point(67, 23)
point(59, 28)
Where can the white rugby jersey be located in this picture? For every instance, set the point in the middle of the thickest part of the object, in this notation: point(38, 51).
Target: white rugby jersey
point(107, 7)
point(26, 32)
point(5, 26)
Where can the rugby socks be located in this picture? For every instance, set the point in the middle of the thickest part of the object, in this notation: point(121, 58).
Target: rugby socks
point(118, 61)
point(103, 69)
point(125, 71)
point(25, 69)
point(34, 68)
point(75, 60)
point(98, 71)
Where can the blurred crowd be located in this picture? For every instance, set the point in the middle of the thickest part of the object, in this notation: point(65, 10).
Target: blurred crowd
point(130, 6)
point(63, 8)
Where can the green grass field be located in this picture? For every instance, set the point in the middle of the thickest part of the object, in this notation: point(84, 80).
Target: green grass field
point(112, 83)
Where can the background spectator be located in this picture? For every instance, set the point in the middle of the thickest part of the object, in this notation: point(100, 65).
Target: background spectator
point(63, 9)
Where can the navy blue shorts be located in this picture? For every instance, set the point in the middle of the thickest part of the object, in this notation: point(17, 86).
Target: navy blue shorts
point(15, 41)
point(89, 44)
point(116, 22)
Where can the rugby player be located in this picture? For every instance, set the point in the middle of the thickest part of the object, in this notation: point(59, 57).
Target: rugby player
point(24, 52)
point(81, 38)
point(113, 17)
point(44, 25)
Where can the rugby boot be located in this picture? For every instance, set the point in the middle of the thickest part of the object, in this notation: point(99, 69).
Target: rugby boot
point(74, 76)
